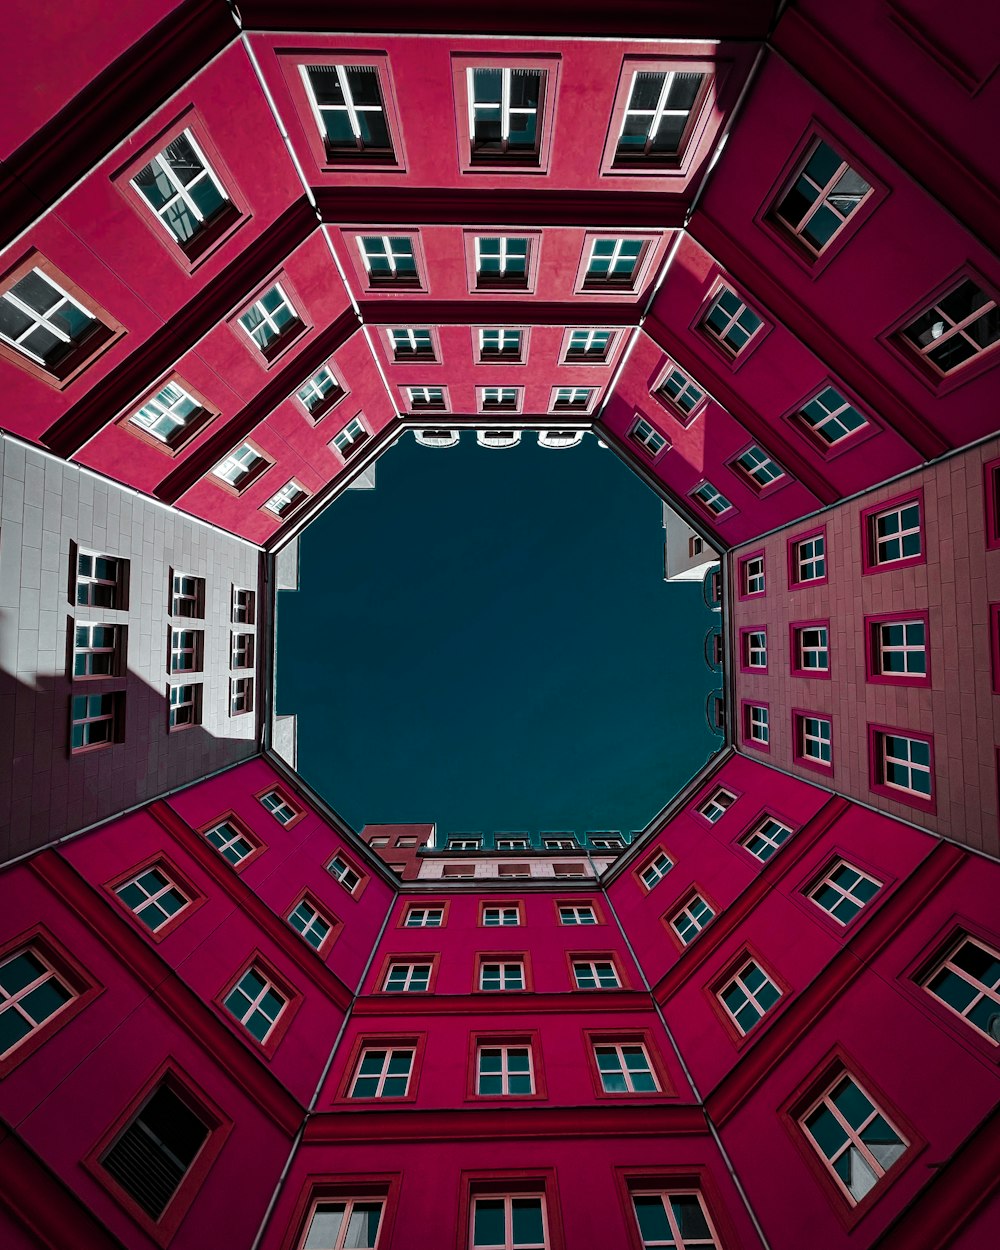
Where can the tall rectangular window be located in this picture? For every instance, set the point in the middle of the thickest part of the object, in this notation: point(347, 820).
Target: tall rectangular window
point(310, 923)
point(383, 1072)
point(240, 696)
point(967, 981)
point(894, 535)
point(813, 740)
point(244, 606)
point(657, 115)
point(852, 1136)
point(505, 113)
point(730, 322)
point(185, 706)
point(389, 259)
point(241, 653)
point(187, 595)
point(504, 1070)
point(101, 581)
point(810, 650)
point(754, 648)
point(187, 647)
point(807, 560)
point(182, 189)
point(757, 726)
point(752, 577)
point(98, 650)
point(903, 763)
point(269, 318)
point(349, 109)
point(822, 197)
point(96, 720)
point(748, 995)
point(957, 328)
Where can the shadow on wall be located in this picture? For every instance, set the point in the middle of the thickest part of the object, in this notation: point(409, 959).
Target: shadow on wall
point(73, 752)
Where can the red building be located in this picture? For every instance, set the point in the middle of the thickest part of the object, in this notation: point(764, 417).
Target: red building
point(750, 247)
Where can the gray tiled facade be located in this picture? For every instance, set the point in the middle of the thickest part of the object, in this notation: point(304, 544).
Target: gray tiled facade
point(47, 506)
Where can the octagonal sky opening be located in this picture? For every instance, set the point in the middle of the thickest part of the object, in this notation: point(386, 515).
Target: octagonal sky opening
point(485, 640)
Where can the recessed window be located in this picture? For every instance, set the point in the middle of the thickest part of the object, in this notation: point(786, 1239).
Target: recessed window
point(572, 398)
point(657, 868)
point(269, 319)
point(897, 651)
point(426, 398)
point(903, 764)
point(509, 1222)
point(499, 399)
point(389, 260)
point(458, 870)
point(813, 740)
point(96, 720)
point(411, 344)
point(383, 1072)
point(282, 809)
point(680, 393)
point(691, 919)
point(613, 263)
point(349, 440)
point(853, 1137)
point(576, 913)
point(500, 345)
point(232, 843)
point(320, 393)
point(310, 923)
point(624, 1068)
point(607, 844)
point(240, 696)
point(657, 116)
point(561, 844)
point(182, 189)
point(716, 805)
point(344, 873)
point(894, 534)
point(649, 439)
point(464, 844)
point(588, 346)
point(830, 418)
point(506, 975)
point(752, 580)
point(244, 606)
point(153, 897)
point(170, 416)
point(674, 1218)
point(31, 992)
point(596, 974)
point(807, 560)
point(843, 890)
point(256, 1003)
point(241, 468)
point(822, 197)
point(284, 502)
point(501, 261)
point(241, 653)
point(748, 996)
point(338, 1225)
point(44, 323)
point(349, 110)
point(98, 650)
point(406, 978)
point(757, 724)
point(494, 917)
point(504, 1070)
point(187, 649)
point(765, 838)
point(711, 499)
point(957, 328)
point(505, 113)
point(185, 706)
point(187, 595)
point(810, 650)
point(758, 468)
point(424, 918)
point(101, 581)
point(754, 648)
point(730, 322)
point(967, 981)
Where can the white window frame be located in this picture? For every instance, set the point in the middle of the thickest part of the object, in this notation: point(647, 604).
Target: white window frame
point(853, 1142)
point(389, 1054)
point(91, 579)
point(812, 642)
point(754, 577)
point(981, 989)
point(349, 108)
point(506, 917)
point(505, 1049)
point(653, 873)
point(688, 921)
point(759, 468)
point(161, 416)
point(185, 709)
point(680, 1239)
point(831, 424)
point(906, 649)
point(572, 398)
point(688, 394)
point(590, 969)
point(510, 975)
point(624, 1071)
point(181, 190)
point(152, 899)
point(713, 500)
point(186, 645)
point(845, 893)
point(721, 336)
point(348, 877)
point(578, 913)
point(905, 762)
point(770, 833)
point(14, 1002)
point(316, 927)
point(87, 650)
point(758, 723)
point(320, 389)
point(507, 110)
point(389, 254)
point(649, 438)
point(347, 440)
point(412, 975)
point(506, 254)
point(508, 1242)
point(407, 346)
point(268, 326)
point(255, 1002)
point(738, 983)
point(43, 320)
point(588, 350)
point(755, 642)
point(812, 739)
point(656, 116)
point(613, 276)
point(881, 541)
point(347, 1208)
point(238, 465)
point(184, 596)
point(287, 499)
point(717, 804)
point(230, 839)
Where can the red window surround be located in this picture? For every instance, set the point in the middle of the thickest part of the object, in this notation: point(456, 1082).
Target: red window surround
point(293, 1000)
point(741, 590)
point(796, 640)
point(991, 497)
point(873, 671)
point(494, 163)
point(799, 717)
point(158, 860)
point(699, 119)
point(744, 647)
point(755, 744)
point(793, 562)
point(876, 735)
point(868, 518)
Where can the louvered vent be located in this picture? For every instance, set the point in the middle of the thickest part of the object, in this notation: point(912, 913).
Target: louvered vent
point(149, 1159)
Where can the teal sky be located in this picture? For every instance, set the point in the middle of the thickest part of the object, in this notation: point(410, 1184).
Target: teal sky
point(486, 641)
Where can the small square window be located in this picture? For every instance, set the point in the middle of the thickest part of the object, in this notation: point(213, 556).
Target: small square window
point(241, 468)
point(98, 651)
point(956, 329)
point(424, 918)
point(185, 706)
point(752, 580)
point(242, 651)
point(748, 995)
point(501, 345)
point(716, 805)
point(596, 974)
point(349, 440)
point(614, 263)
point(689, 921)
point(829, 418)
point(407, 978)
point(101, 581)
point(586, 347)
point(270, 320)
point(154, 897)
point(657, 117)
point(411, 344)
point(625, 1068)
point(426, 398)
point(653, 873)
point(823, 195)
point(281, 808)
point(649, 439)
point(967, 980)
point(171, 416)
point(187, 651)
point(812, 740)
point(673, 1217)
point(320, 393)
point(753, 649)
point(499, 398)
point(712, 500)
point(730, 322)
point(843, 891)
point(383, 1072)
point(807, 560)
point(389, 260)
point(759, 470)
point(810, 650)
point(96, 720)
point(348, 877)
point(256, 1003)
point(902, 766)
point(576, 913)
point(240, 696)
point(348, 106)
point(504, 1071)
point(187, 595)
point(894, 535)
point(501, 917)
point(756, 724)
point(897, 650)
point(502, 261)
point(680, 394)
point(232, 841)
point(767, 836)
point(45, 328)
point(502, 975)
point(32, 992)
point(287, 500)
point(313, 925)
point(183, 191)
point(572, 398)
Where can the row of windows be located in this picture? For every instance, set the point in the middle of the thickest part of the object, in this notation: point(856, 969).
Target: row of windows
point(502, 345)
point(102, 581)
point(896, 649)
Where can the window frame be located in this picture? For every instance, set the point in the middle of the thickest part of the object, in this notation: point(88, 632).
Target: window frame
point(874, 648)
point(247, 479)
point(506, 905)
point(794, 563)
point(295, 68)
point(743, 590)
point(504, 959)
point(733, 972)
point(746, 475)
point(358, 1189)
point(991, 502)
point(355, 441)
point(651, 863)
point(796, 629)
point(513, 406)
point(380, 283)
point(332, 399)
point(352, 864)
point(442, 905)
point(565, 351)
point(241, 695)
point(869, 518)
point(945, 946)
point(462, 64)
point(708, 797)
point(683, 908)
point(557, 409)
point(195, 703)
point(502, 283)
point(750, 648)
point(413, 408)
point(800, 735)
point(116, 720)
point(876, 767)
point(611, 287)
point(635, 435)
point(250, 609)
point(626, 1037)
point(408, 960)
point(669, 165)
point(755, 829)
point(677, 1182)
point(287, 335)
point(118, 649)
point(238, 829)
point(259, 963)
point(748, 721)
point(298, 810)
point(177, 597)
point(307, 897)
point(576, 905)
point(521, 1039)
point(388, 1042)
point(699, 325)
point(431, 354)
point(686, 416)
point(203, 416)
point(296, 503)
point(120, 595)
point(809, 433)
point(509, 1185)
point(823, 878)
point(196, 651)
point(726, 513)
point(592, 959)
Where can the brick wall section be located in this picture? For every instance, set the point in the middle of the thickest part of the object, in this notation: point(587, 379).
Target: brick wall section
point(955, 587)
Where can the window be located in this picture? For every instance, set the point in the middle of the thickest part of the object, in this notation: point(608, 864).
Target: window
point(182, 189)
point(509, 1222)
point(409, 344)
point(730, 322)
point(649, 439)
point(854, 1139)
point(504, 1070)
point(269, 319)
point(501, 261)
point(287, 499)
point(186, 650)
point(613, 263)
point(339, 1225)
point(185, 706)
point(403, 978)
point(902, 764)
point(830, 418)
point(508, 975)
point(607, 844)
point(588, 346)
point(101, 581)
point(654, 872)
point(596, 974)
point(758, 467)
point(256, 1003)
point(691, 919)
point(511, 844)
point(674, 1218)
point(957, 328)
point(151, 1156)
point(98, 650)
point(500, 345)
point(752, 580)
point(657, 116)
point(572, 398)
point(505, 114)
point(383, 1072)
point(424, 397)
point(389, 260)
point(170, 416)
point(501, 917)
point(680, 393)
point(807, 560)
point(320, 393)
point(463, 844)
point(711, 499)
point(153, 897)
point(897, 650)
point(96, 720)
point(244, 606)
point(282, 809)
point(756, 724)
point(813, 740)
point(754, 648)
point(44, 323)
point(810, 650)
point(748, 996)
point(424, 918)
point(31, 992)
point(514, 870)
point(308, 921)
point(458, 870)
point(893, 535)
point(576, 913)
point(349, 110)
point(716, 805)
point(624, 1068)
point(765, 838)
point(241, 652)
point(967, 981)
point(240, 696)
point(241, 467)
point(822, 197)
point(569, 870)
point(187, 595)
point(231, 842)
point(349, 440)
point(561, 844)
point(499, 398)
point(843, 890)
point(348, 878)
